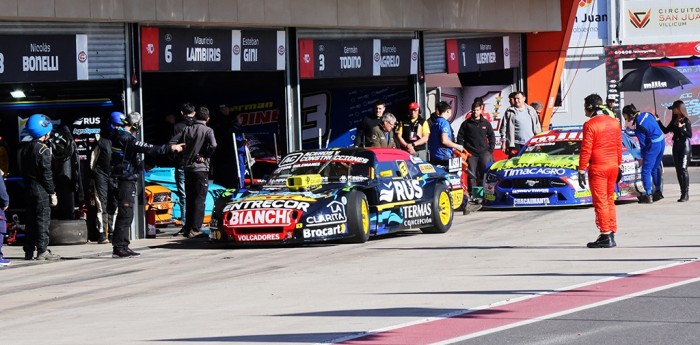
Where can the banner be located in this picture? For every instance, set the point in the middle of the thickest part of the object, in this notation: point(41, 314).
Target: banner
point(180, 49)
point(320, 59)
point(477, 54)
point(35, 58)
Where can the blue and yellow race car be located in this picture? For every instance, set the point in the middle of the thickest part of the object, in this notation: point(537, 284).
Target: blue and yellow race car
point(544, 173)
point(340, 194)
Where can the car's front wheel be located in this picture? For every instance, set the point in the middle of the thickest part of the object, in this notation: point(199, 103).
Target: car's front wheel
point(358, 217)
point(442, 211)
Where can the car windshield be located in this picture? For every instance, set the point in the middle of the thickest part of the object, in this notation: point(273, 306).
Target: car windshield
point(339, 168)
point(554, 146)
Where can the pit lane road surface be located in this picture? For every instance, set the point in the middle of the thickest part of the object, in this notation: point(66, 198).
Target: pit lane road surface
point(486, 268)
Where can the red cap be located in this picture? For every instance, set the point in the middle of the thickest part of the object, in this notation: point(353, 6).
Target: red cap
point(413, 105)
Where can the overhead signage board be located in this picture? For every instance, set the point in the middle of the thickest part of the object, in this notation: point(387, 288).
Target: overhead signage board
point(180, 49)
point(319, 59)
point(652, 21)
point(477, 54)
point(35, 58)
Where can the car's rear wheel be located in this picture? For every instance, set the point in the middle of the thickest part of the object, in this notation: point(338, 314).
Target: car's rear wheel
point(442, 211)
point(358, 217)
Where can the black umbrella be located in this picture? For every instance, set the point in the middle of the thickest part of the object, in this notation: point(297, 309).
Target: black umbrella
point(652, 78)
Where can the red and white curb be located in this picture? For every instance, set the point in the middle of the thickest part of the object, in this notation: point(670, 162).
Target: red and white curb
point(471, 323)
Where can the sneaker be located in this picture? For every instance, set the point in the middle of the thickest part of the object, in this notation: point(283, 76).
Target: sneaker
point(133, 253)
point(4, 262)
point(193, 234)
point(121, 253)
point(657, 196)
point(180, 233)
point(603, 241)
point(48, 255)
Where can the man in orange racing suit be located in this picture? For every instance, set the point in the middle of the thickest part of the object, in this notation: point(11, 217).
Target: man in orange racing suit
point(601, 153)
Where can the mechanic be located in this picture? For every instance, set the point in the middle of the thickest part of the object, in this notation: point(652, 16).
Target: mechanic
point(601, 153)
point(4, 203)
point(682, 132)
point(35, 163)
point(413, 134)
point(187, 112)
point(126, 166)
point(652, 143)
point(383, 134)
point(441, 139)
point(200, 145)
point(477, 136)
point(363, 136)
point(99, 219)
point(241, 156)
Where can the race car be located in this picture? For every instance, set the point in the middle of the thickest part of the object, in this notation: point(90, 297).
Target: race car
point(545, 173)
point(340, 194)
point(165, 177)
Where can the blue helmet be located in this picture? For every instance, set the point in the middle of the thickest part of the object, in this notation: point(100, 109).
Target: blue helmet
point(38, 125)
point(117, 118)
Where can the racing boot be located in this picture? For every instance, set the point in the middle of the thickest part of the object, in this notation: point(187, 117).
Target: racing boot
point(612, 239)
point(657, 196)
point(603, 241)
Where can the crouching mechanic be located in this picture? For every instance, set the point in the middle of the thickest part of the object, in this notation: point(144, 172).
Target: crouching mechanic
point(35, 163)
point(601, 153)
point(126, 166)
point(652, 143)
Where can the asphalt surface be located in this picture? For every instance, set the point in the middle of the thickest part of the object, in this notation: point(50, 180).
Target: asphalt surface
point(192, 292)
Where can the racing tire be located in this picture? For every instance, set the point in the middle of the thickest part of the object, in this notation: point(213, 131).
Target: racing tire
point(442, 212)
point(64, 232)
point(358, 217)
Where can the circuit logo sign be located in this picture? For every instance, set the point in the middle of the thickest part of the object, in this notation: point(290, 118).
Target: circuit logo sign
point(639, 19)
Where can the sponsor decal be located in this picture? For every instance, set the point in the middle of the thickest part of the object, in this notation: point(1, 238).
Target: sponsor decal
point(88, 131)
point(403, 168)
point(535, 171)
point(258, 237)
point(296, 197)
point(87, 121)
point(426, 168)
point(417, 222)
point(531, 201)
point(264, 204)
point(336, 215)
point(254, 218)
point(339, 229)
point(400, 191)
point(490, 197)
point(552, 138)
point(583, 194)
point(320, 156)
point(527, 191)
point(639, 19)
point(417, 211)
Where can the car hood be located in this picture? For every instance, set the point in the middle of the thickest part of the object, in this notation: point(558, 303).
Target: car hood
point(533, 160)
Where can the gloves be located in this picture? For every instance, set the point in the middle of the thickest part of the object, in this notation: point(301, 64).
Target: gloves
point(619, 175)
point(54, 200)
point(582, 179)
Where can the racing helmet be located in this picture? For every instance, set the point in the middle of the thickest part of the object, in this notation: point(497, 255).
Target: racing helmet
point(38, 125)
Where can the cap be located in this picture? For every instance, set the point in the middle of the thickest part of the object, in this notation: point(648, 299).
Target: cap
point(413, 106)
point(675, 104)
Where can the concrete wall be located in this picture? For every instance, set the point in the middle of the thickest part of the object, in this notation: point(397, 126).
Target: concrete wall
point(452, 15)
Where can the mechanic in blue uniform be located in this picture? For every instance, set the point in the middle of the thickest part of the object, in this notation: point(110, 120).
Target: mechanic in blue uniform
point(241, 157)
point(126, 166)
point(652, 143)
point(441, 142)
point(35, 163)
